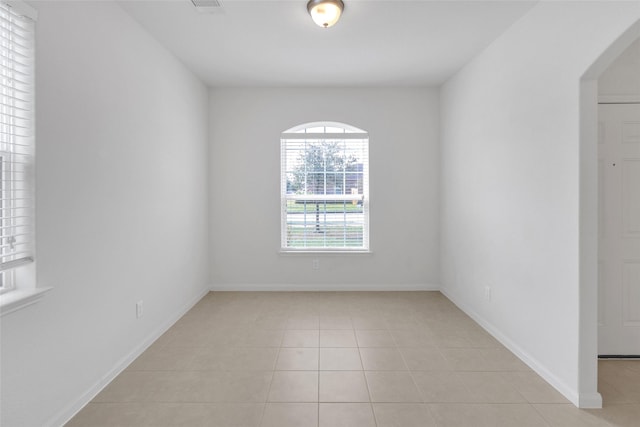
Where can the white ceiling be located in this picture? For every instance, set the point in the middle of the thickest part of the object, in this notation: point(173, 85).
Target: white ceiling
point(376, 42)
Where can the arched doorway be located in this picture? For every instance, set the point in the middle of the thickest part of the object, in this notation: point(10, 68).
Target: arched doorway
point(588, 347)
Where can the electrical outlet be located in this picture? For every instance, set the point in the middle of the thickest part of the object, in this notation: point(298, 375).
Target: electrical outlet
point(487, 293)
point(139, 309)
point(316, 264)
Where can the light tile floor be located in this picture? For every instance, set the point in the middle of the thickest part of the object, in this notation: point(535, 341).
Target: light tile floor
point(356, 359)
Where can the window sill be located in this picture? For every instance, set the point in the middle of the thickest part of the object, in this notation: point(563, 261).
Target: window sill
point(325, 252)
point(20, 298)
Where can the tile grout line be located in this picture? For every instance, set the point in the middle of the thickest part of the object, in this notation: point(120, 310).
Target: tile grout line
point(275, 363)
point(366, 380)
point(548, 422)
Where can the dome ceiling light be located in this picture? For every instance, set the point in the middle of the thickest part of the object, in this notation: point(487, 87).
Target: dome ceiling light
point(325, 13)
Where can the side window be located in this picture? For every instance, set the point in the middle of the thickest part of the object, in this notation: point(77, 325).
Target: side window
point(17, 141)
point(324, 188)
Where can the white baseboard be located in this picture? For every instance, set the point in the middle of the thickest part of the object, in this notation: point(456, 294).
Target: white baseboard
point(618, 99)
point(581, 401)
point(335, 287)
point(590, 400)
point(72, 409)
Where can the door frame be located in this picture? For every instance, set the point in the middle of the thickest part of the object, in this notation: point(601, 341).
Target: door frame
point(588, 220)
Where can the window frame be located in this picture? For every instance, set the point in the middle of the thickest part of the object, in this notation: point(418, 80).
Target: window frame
point(339, 132)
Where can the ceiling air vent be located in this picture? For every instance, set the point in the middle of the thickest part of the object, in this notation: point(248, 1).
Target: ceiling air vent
point(207, 6)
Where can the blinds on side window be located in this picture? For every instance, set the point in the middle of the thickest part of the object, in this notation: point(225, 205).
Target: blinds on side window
point(17, 142)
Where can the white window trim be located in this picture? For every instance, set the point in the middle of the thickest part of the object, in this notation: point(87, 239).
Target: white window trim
point(325, 252)
point(18, 299)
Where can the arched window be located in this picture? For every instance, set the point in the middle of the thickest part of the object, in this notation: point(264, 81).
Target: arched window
point(324, 188)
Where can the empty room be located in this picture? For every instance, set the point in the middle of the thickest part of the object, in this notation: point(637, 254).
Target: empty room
point(324, 213)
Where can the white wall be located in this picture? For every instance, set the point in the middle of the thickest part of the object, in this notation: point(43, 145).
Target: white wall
point(621, 80)
point(245, 193)
point(510, 190)
point(121, 208)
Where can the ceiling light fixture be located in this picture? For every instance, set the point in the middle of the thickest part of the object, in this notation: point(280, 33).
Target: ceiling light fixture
point(325, 13)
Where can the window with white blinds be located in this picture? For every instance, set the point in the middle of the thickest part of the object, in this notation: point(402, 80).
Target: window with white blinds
point(16, 138)
point(324, 188)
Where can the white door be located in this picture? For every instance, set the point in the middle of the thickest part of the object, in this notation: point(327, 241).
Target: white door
point(619, 229)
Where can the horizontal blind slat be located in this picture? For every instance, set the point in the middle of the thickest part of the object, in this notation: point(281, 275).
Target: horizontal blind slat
point(8, 265)
point(13, 19)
